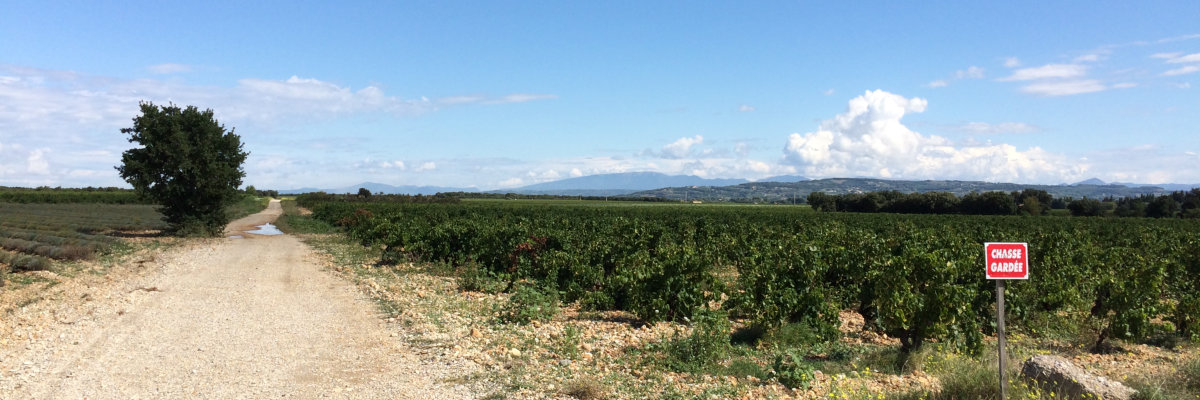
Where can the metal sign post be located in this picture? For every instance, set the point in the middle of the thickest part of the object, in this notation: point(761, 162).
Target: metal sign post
point(1000, 333)
point(1004, 261)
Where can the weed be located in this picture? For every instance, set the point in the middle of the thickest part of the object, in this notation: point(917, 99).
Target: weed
point(700, 350)
point(791, 370)
point(745, 367)
point(568, 343)
point(528, 304)
point(585, 389)
point(796, 334)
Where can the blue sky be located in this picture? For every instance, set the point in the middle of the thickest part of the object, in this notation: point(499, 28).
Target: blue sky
point(502, 94)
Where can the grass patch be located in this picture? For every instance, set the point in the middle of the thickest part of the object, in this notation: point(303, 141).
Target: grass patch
point(247, 205)
point(294, 223)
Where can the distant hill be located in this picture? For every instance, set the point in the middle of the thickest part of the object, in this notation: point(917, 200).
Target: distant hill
point(787, 191)
point(382, 188)
point(1093, 181)
point(617, 184)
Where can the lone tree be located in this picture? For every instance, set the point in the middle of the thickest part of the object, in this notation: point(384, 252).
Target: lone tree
point(187, 163)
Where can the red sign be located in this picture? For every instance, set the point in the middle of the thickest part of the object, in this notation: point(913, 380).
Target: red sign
point(1007, 260)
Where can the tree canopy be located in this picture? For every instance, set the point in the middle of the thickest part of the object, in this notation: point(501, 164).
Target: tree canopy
point(187, 163)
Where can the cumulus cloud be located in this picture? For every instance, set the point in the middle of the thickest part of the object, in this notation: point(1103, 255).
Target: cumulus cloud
point(1012, 62)
point(870, 140)
point(681, 148)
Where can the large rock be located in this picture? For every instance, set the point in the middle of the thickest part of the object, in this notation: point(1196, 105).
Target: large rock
point(1057, 374)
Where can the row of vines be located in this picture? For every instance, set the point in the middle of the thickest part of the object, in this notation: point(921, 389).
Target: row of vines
point(32, 235)
point(915, 278)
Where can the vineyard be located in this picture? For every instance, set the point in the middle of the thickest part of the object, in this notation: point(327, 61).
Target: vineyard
point(32, 235)
point(915, 278)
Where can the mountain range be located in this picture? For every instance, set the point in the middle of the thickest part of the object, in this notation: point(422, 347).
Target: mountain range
point(777, 188)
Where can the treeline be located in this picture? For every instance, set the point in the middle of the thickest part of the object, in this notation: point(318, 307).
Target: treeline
point(365, 196)
point(1026, 202)
point(520, 196)
point(58, 195)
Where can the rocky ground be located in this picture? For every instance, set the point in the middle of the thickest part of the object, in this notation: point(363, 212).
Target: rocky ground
point(215, 318)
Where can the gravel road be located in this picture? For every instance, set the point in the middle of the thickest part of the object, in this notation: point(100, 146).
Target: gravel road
point(225, 318)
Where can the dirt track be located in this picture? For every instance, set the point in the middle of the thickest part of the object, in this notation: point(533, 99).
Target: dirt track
point(226, 318)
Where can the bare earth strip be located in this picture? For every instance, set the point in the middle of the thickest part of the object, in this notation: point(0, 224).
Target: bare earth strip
point(226, 318)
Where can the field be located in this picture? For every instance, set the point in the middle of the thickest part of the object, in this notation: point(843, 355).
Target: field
point(32, 235)
point(780, 283)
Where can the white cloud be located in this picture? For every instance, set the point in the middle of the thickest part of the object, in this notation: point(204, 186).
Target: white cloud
point(1124, 85)
point(1012, 62)
point(829, 92)
point(1190, 69)
point(426, 166)
point(983, 128)
point(36, 163)
point(1047, 71)
point(745, 108)
point(575, 173)
point(1166, 55)
point(1064, 88)
point(681, 148)
point(870, 140)
point(971, 72)
point(1190, 58)
point(1087, 58)
point(393, 164)
point(169, 68)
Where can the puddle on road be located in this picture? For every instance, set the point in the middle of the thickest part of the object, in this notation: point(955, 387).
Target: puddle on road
point(266, 229)
point(236, 237)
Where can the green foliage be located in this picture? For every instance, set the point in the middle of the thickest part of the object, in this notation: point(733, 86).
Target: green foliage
point(188, 163)
point(292, 222)
point(917, 278)
point(1086, 208)
point(528, 304)
point(707, 344)
point(89, 195)
point(246, 205)
point(791, 370)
